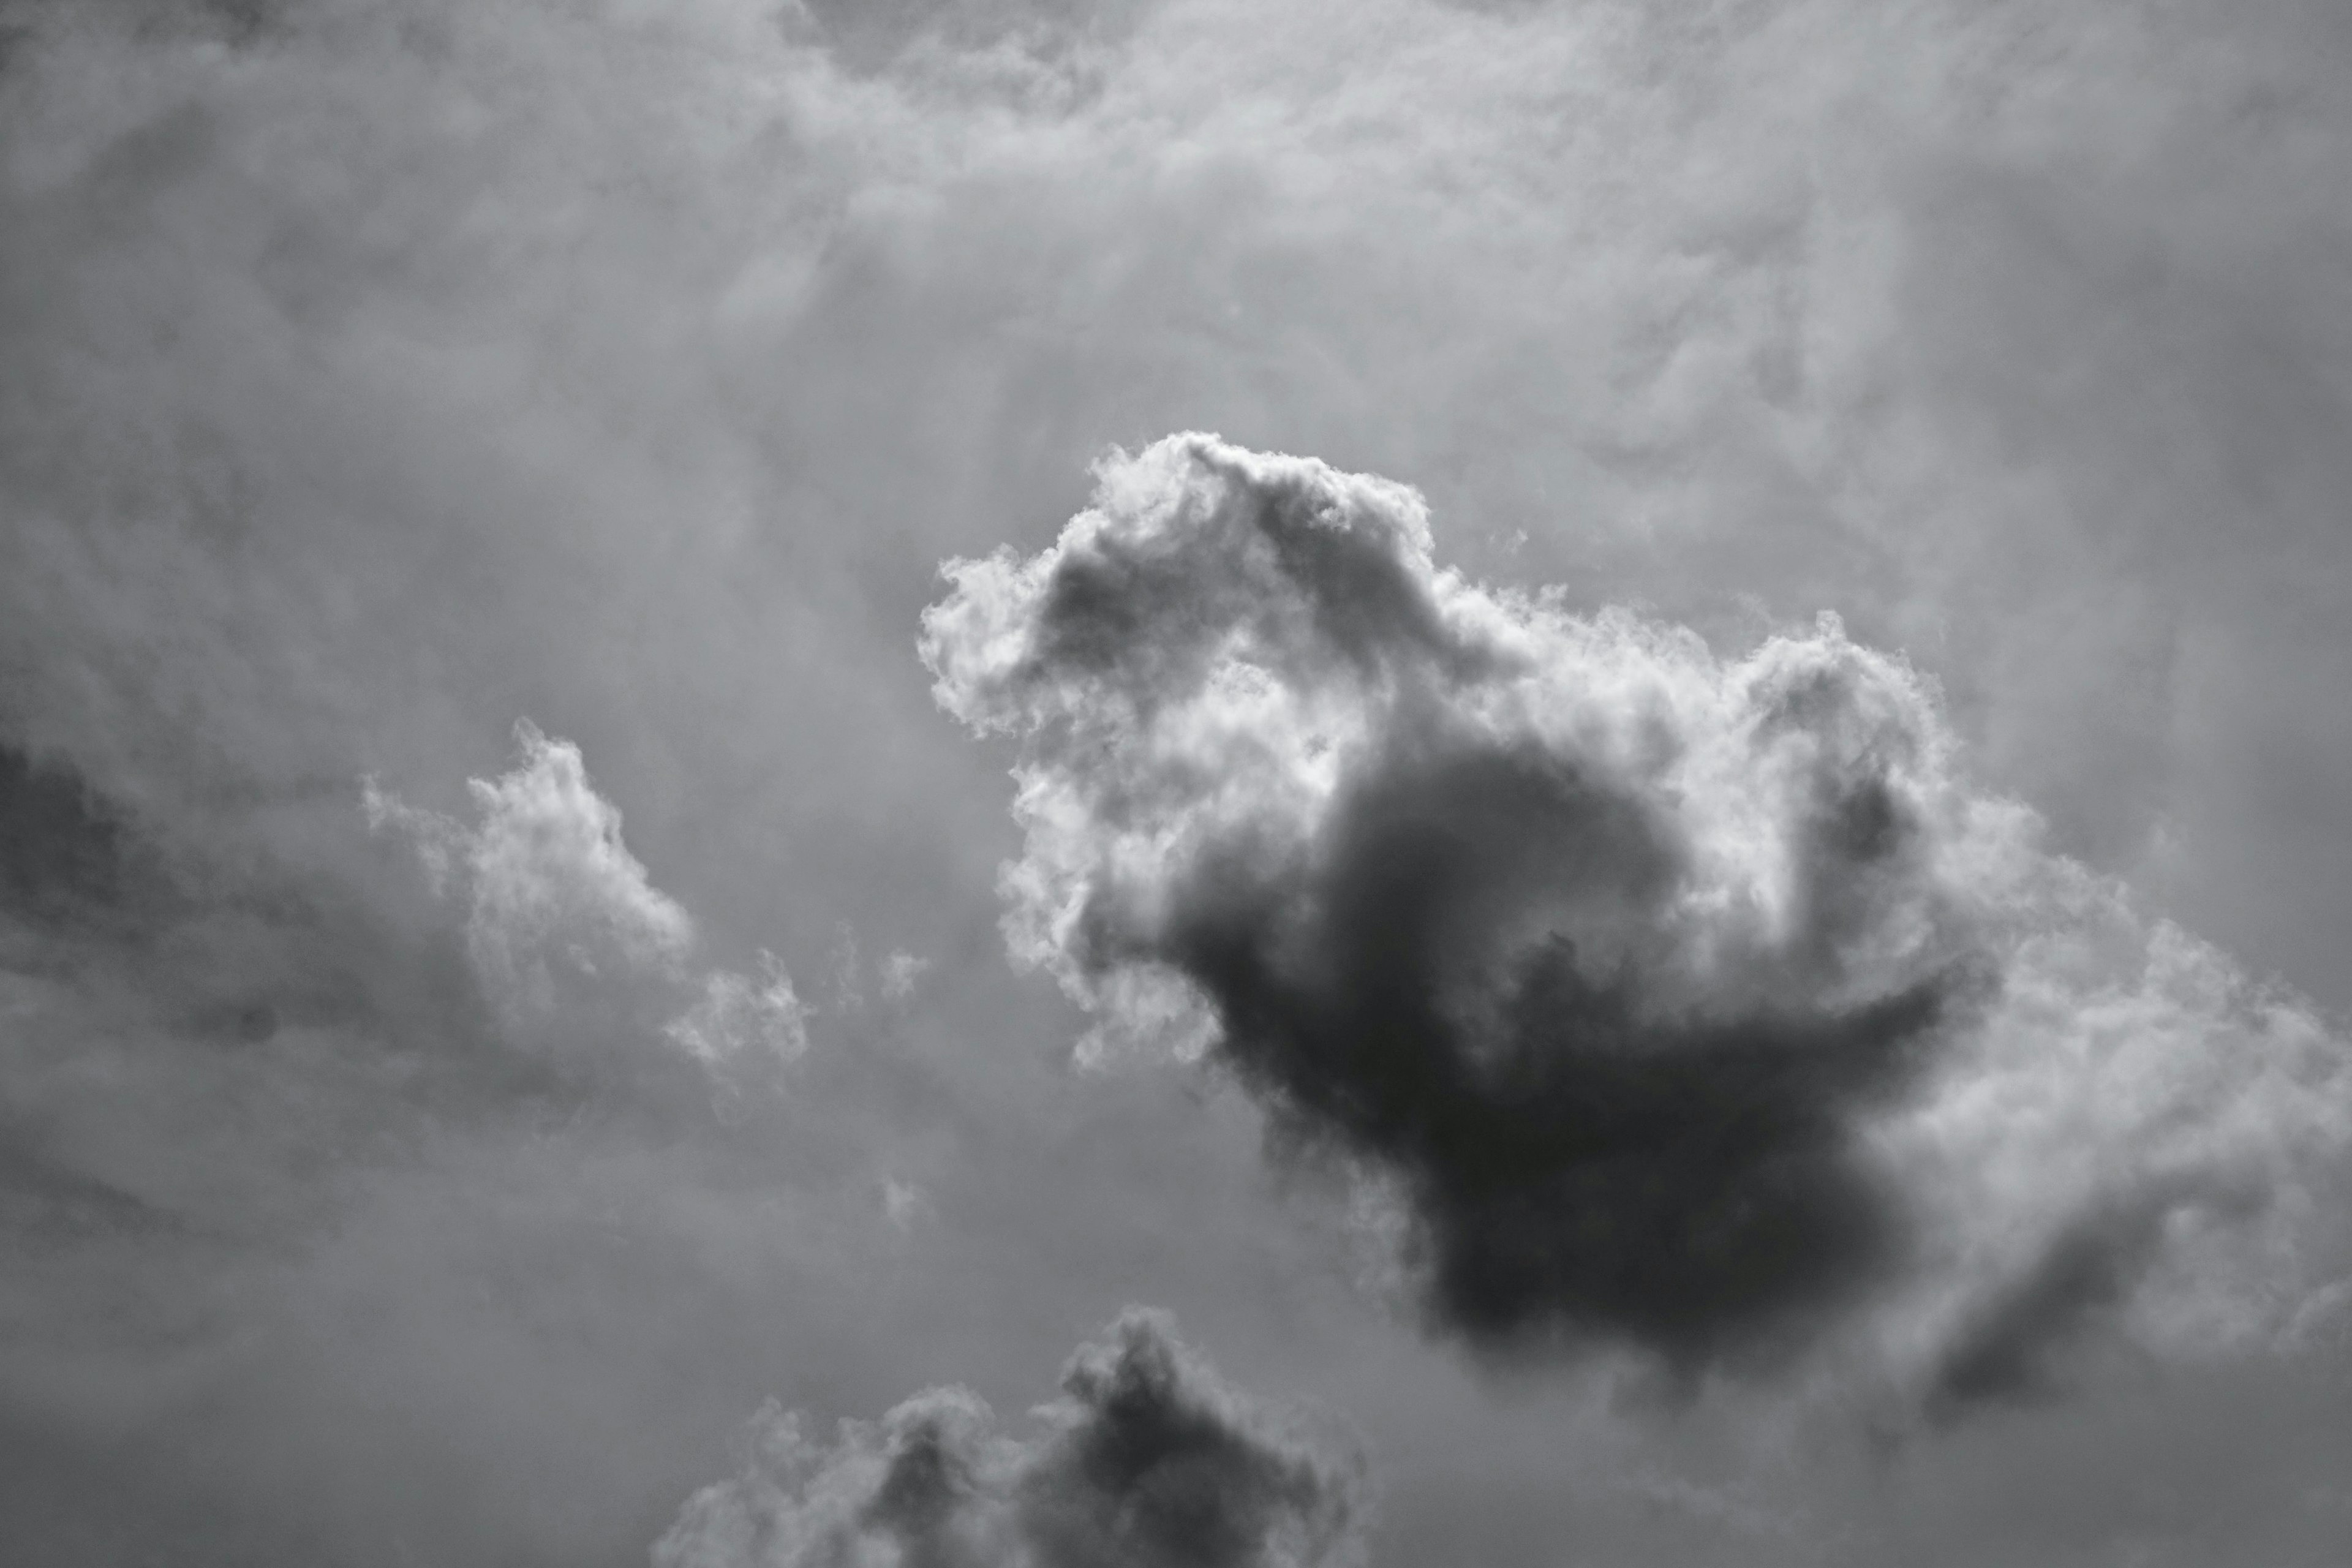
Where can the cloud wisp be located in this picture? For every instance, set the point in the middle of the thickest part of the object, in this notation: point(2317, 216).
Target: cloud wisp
point(577, 950)
point(1148, 1459)
point(1690, 1003)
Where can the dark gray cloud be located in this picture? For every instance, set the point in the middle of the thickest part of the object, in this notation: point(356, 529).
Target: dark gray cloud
point(1147, 1460)
point(1688, 1003)
point(65, 857)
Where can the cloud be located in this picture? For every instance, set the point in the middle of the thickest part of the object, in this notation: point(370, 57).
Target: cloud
point(1693, 1004)
point(569, 936)
point(393, 367)
point(272, 1165)
point(901, 973)
point(67, 862)
point(1149, 1459)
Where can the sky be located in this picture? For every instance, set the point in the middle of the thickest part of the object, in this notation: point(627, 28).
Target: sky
point(1504, 784)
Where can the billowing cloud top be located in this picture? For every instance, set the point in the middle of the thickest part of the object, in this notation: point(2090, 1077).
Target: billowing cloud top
point(1690, 1003)
point(1149, 1460)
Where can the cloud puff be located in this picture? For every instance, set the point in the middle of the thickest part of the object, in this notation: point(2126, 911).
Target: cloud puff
point(1149, 1460)
point(567, 934)
point(901, 973)
point(1691, 1003)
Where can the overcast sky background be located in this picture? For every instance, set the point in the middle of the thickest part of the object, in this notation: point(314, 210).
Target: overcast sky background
point(380, 376)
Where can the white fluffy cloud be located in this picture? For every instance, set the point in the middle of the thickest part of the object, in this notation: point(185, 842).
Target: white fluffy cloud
point(1693, 1001)
point(571, 940)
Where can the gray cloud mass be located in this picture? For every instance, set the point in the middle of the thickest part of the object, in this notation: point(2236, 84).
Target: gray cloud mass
point(1693, 1003)
point(1149, 1460)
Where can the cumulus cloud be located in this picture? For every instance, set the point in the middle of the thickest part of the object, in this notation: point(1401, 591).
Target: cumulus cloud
point(569, 936)
point(1149, 1459)
point(1693, 1004)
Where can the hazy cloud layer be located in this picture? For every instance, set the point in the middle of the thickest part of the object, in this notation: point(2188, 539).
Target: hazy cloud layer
point(1147, 1460)
point(382, 370)
point(575, 946)
point(413, 1189)
point(1689, 1002)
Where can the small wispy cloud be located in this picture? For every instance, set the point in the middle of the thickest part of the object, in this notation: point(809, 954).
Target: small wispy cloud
point(901, 973)
point(566, 932)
